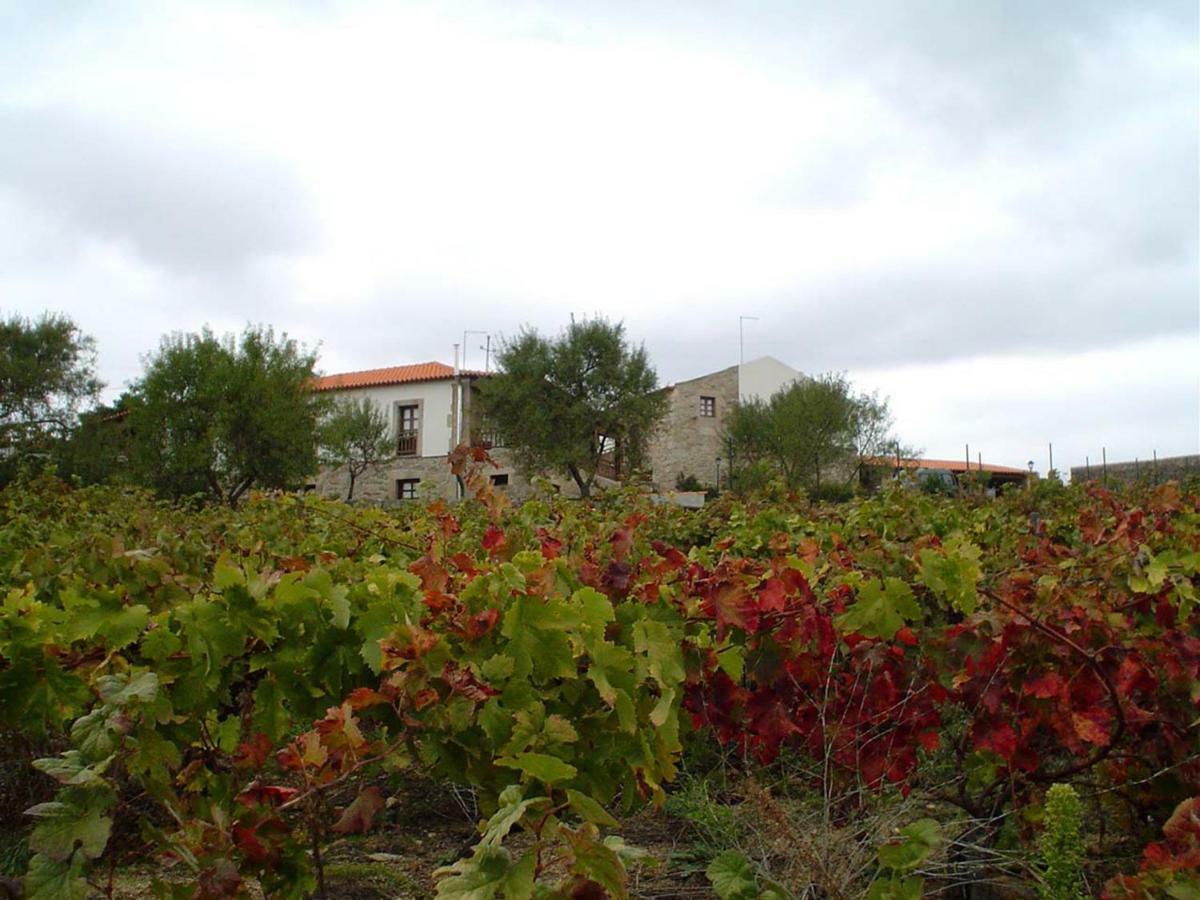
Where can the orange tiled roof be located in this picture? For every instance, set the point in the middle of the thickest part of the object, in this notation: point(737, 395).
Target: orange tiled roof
point(951, 465)
point(429, 371)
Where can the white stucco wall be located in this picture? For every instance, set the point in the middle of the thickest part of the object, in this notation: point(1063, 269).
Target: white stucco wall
point(763, 377)
point(435, 398)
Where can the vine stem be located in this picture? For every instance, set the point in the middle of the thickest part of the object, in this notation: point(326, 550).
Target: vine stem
point(320, 788)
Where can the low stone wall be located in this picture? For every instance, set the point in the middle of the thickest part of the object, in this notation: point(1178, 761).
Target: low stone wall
point(1144, 470)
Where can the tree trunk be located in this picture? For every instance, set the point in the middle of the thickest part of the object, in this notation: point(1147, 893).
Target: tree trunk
point(235, 493)
point(584, 487)
point(350, 491)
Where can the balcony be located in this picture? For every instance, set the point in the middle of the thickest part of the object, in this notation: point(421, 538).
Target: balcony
point(487, 439)
point(406, 443)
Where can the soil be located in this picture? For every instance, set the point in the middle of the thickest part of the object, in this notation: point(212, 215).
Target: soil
point(427, 826)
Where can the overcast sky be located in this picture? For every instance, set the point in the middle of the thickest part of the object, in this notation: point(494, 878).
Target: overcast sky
point(988, 211)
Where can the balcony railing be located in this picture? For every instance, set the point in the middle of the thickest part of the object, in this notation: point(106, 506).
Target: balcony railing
point(487, 439)
point(406, 443)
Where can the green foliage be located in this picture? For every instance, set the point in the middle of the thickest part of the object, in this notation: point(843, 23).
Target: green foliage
point(1062, 846)
point(46, 373)
point(813, 432)
point(714, 824)
point(214, 417)
point(952, 573)
point(354, 435)
point(899, 858)
point(99, 447)
point(229, 667)
point(563, 404)
point(882, 608)
point(733, 877)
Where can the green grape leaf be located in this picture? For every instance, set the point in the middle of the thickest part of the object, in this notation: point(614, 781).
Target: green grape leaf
point(480, 876)
point(663, 658)
point(918, 840)
point(512, 808)
point(558, 730)
point(115, 624)
point(732, 877)
point(541, 766)
point(518, 881)
point(595, 608)
point(92, 734)
point(270, 715)
point(495, 721)
point(63, 826)
point(159, 643)
point(910, 888)
point(117, 691)
point(589, 810)
point(71, 768)
point(52, 879)
point(880, 610)
point(732, 662)
point(227, 575)
point(595, 860)
point(952, 573)
point(497, 668)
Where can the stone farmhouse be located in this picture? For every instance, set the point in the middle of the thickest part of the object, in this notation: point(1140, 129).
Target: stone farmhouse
point(432, 407)
point(689, 441)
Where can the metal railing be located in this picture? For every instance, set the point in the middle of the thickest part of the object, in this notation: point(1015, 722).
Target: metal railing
point(490, 439)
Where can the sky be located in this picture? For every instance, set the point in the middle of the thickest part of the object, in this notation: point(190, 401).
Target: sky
point(987, 212)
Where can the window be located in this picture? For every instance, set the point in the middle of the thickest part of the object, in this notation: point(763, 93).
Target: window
point(708, 407)
point(408, 418)
point(406, 488)
point(500, 481)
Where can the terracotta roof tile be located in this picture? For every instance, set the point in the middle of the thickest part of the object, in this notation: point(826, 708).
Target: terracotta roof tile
point(950, 465)
point(429, 371)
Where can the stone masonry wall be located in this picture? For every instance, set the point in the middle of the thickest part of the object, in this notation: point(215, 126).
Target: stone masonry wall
point(687, 442)
point(378, 484)
point(1167, 468)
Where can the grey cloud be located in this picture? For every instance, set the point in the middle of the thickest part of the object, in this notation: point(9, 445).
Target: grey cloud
point(1006, 304)
point(184, 203)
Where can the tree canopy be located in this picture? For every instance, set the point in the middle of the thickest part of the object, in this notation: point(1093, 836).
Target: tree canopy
point(567, 403)
point(46, 375)
point(354, 435)
point(815, 432)
point(216, 416)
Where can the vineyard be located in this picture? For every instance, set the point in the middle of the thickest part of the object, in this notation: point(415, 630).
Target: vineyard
point(901, 696)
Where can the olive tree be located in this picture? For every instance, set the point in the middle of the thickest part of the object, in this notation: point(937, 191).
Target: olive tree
point(46, 376)
point(354, 435)
point(567, 403)
point(216, 416)
point(814, 432)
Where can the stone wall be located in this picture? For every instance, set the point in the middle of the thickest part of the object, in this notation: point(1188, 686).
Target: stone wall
point(686, 442)
point(1166, 469)
point(378, 484)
